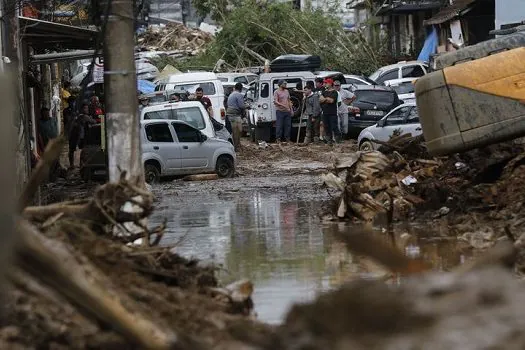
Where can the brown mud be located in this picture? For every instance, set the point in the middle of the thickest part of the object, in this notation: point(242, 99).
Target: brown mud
point(482, 191)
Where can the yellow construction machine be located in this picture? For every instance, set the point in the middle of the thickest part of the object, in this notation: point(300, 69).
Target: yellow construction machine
point(475, 96)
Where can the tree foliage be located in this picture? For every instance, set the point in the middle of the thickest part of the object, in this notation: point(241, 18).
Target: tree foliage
point(271, 29)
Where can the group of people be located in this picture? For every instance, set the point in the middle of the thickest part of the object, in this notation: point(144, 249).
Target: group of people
point(77, 122)
point(325, 106)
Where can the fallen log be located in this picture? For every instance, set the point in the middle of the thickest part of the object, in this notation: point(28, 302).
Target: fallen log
point(51, 263)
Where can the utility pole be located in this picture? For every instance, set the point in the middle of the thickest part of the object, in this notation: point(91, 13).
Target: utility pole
point(12, 48)
point(120, 86)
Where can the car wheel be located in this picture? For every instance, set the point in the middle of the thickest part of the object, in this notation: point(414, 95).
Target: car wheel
point(151, 173)
point(225, 167)
point(366, 146)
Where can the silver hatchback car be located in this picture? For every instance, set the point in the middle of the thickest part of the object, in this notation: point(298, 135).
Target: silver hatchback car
point(173, 147)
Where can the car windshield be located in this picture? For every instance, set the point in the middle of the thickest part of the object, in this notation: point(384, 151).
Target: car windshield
point(190, 115)
point(375, 96)
point(404, 88)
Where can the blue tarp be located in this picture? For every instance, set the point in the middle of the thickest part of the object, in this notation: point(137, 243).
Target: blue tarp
point(145, 86)
point(430, 47)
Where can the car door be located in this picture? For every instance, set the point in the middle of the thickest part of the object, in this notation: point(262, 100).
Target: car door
point(394, 122)
point(412, 124)
point(160, 141)
point(195, 155)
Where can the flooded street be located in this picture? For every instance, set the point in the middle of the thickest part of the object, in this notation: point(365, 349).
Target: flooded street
point(269, 230)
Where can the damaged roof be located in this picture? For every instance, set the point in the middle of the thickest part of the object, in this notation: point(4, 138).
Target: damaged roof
point(450, 12)
point(47, 35)
point(404, 6)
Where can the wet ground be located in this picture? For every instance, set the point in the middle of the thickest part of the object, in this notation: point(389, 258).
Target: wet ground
point(268, 229)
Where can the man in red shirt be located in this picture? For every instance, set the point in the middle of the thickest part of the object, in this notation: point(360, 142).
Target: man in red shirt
point(206, 102)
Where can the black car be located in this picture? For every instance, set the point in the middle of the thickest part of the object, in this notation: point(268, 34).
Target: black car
point(372, 103)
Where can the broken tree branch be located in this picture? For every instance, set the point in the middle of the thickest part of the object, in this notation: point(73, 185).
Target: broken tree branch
point(51, 154)
point(51, 263)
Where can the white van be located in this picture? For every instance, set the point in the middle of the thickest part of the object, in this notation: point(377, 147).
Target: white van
point(210, 84)
point(262, 114)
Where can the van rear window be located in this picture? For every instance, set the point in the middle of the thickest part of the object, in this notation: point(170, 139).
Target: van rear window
point(190, 115)
point(207, 88)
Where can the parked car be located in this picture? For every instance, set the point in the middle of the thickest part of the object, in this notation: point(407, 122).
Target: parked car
point(189, 82)
point(403, 69)
point(372, 103)
point(191, 112)
point(244, 78)
point(403, 119)
point(405, 88)
point(358, 80)
point(174, 147)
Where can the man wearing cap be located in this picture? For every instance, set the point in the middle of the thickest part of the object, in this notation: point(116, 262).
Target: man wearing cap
point(328, 102)
point(344, 99)
point(283, 106)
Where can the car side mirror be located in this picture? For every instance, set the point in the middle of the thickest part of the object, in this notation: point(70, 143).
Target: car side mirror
point(203, 137)
point(381, 123)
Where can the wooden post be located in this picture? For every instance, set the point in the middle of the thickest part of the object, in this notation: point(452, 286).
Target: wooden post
point(124, 151)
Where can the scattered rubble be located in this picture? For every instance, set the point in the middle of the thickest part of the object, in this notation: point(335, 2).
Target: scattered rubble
point(176, 38)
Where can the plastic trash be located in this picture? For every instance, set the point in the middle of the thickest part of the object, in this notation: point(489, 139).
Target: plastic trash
point(409, 180)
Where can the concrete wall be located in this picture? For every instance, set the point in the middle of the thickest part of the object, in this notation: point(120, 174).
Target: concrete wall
point(509, 11)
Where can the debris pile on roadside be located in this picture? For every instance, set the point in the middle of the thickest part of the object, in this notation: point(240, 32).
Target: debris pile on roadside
point(401, 180)
point(174, 37)
point(79, 282)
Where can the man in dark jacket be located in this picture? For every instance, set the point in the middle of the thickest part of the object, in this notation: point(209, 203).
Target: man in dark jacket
point(313, 111)
point(235, 113)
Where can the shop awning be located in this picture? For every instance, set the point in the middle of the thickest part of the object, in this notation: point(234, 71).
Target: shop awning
point(458, 8)
point(49, 35)
point(401, 7)
point(62, 56)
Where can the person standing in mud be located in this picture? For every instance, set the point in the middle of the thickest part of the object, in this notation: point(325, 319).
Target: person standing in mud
point(345, 98)
point(313, 112)
point(329, 106)
point(77, 133)
point(319, 89)
point(283, 118)
point(47, 127)
point(234, 113)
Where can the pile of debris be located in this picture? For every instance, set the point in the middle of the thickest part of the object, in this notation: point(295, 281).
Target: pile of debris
point(401, 180)
point(174, 37)
point(79, 282)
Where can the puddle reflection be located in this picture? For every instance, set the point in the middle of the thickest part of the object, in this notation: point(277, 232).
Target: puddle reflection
point(281, 246)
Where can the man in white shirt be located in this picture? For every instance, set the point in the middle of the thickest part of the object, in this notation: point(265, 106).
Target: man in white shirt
point(344, 99)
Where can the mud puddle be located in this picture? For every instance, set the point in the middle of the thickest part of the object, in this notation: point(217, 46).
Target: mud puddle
point(268, 230)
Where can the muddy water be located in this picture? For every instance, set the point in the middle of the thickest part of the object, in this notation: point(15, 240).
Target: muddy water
point(256, 229)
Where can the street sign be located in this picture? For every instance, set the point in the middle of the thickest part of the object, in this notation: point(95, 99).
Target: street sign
point(98, 71)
